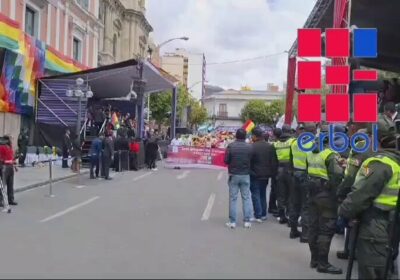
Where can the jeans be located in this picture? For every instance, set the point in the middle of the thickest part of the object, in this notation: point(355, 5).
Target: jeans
point(94, 164)
point(258, 188)
point(240, 183)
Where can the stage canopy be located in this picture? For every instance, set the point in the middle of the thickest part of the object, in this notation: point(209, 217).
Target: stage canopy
point(383, 15)
point(114, 81)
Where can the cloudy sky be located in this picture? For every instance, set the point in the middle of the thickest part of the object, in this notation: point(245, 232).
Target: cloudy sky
point(228, 30)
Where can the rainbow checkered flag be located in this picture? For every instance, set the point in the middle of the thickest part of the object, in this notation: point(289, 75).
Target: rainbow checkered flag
point(248, 126)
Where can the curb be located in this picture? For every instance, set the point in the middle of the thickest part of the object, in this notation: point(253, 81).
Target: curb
point(40, 184)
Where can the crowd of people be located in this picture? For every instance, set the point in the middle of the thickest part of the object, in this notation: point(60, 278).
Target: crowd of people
point(212, 140)
point(323, 189)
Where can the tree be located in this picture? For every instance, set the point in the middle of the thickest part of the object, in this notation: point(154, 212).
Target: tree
point(198, 114)
point(255, 110)
point(160, 107)
point(277, 107)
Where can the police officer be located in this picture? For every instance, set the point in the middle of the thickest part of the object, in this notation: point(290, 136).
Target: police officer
point(284, 178)
point(353, 164)
point(325, 174)
point(298, 190)
point(373, 198)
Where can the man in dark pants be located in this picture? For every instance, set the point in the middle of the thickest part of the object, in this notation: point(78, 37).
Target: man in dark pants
point(66, 148)
point(263, 165)
point(95, 154)
point(298, 190)
point(107, 155)
point(23, 141)
point(325, 174)
point(284, 178)
point(7, 161)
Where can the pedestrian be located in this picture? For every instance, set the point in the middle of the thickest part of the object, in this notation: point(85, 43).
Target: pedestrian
point(353, 164)
point(95, 155)
point(66, 148)
point(107, 155)
point(7, 162)
point(152, 153)
point(298, 189)
point(372, 201)
point(76, 154)
point(263, 165)
point(23, 141)
point(237, 157)
point(284, 178)
point(134, 149)
point(121, 148)
point(325, 174)
point(176, 141)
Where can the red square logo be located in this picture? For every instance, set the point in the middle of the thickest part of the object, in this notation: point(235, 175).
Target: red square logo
point(337, 108)
point(338, 75)
point(309, 107)
point(309, 42)
point(309, 75)
point(365, 107)
point(337, 42)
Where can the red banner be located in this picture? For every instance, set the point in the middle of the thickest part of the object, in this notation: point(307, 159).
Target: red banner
point(185, 156)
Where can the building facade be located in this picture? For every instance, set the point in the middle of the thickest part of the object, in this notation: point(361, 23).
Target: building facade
point(41, 37)
point(189, 68)
point(225, 107)
point(126, 30)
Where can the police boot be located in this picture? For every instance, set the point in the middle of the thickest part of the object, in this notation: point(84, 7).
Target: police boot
point(282, 217)
point(325, 267)
point(343, 255)
point(294, 233)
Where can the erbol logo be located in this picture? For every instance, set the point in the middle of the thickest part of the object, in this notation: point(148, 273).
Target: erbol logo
point(337, 75)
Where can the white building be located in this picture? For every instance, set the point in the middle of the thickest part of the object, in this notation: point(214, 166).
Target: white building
point(225, 106)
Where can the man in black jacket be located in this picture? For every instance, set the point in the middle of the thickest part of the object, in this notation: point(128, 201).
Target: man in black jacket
point(66, 148)
point(263, 165)
point(237, 157)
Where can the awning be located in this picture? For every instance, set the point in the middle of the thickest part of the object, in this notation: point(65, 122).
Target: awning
point(115, 81)
point(382, 14)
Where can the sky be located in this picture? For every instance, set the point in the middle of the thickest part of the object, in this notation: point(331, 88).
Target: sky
point(230, 30)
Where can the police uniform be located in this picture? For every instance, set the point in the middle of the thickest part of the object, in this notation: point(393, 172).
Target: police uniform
point(325, 174)
point(284, 178)
point(298, 192)
point(372, 199)
point(353, 164)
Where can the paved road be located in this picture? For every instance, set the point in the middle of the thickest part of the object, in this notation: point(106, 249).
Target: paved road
point(165, 224)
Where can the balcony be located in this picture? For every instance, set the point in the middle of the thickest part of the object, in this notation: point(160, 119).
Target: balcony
point(222, 114)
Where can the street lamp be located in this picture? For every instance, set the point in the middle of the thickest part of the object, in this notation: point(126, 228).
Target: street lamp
point(80, 91)
point(184, 38)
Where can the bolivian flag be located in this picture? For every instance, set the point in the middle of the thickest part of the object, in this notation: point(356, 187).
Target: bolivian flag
point(248, 126)
point(11, 37)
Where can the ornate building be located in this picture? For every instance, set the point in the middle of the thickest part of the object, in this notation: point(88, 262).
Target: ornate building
point(126, 30)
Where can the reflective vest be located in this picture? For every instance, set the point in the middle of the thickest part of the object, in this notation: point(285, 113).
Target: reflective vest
point(316, 166)
point(352, 162)
point(387, 199)
point(299, 157)
point(283, 150)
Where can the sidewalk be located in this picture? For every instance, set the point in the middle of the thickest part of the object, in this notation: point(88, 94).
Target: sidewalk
point(31, 177)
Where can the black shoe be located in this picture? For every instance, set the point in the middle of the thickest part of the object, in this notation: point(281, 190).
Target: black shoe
point(329, 269)
point(273, 211)
point(13, 203)
point(343, 255)
point(303, 240)
point(313, 264)
point(294, 234)
point(109, 178)
point(92, 177)
point(283, 220)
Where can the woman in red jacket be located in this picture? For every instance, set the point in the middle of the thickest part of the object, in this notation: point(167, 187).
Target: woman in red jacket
point(7, 160)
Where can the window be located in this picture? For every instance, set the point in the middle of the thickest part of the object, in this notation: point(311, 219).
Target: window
point(31, 22)
point(115, 42)
point(223, 110)
point(77, 49)
point(84, 4)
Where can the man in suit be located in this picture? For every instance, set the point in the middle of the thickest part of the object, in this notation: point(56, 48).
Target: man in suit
point(66, 148)
point(107, 155)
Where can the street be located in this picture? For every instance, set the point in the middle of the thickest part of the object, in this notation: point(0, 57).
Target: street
point(165, 224)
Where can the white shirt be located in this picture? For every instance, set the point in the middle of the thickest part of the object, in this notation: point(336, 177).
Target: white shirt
point(176, 142)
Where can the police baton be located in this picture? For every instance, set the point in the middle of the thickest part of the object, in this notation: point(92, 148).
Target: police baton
point(393, 239)
point(355, 226)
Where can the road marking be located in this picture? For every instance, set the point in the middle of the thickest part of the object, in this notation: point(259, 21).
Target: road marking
point(207, 211)
point(141, 176)
point(183, 175)
point(80, 187)
point(66, 211)
point(220, 175)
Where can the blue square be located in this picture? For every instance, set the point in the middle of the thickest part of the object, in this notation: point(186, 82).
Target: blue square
point(365, 42)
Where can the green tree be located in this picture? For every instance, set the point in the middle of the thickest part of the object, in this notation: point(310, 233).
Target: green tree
point(198, 114)
point(160, 106)
point(255, 110)
point(277, 107)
